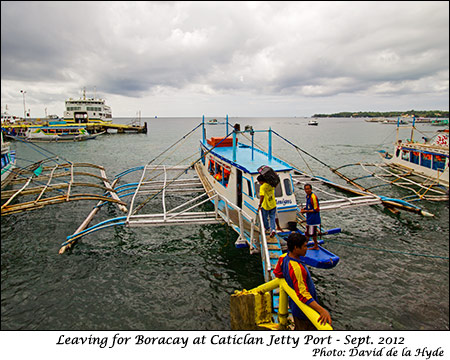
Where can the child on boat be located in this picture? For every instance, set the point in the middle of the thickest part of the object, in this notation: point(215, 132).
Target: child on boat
point(312, 211)
point(267, 204)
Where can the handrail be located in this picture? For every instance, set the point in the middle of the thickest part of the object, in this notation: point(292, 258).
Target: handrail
point(265, 250)
point(312, 314)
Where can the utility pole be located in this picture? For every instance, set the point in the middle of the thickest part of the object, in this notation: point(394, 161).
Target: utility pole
point(24, 108)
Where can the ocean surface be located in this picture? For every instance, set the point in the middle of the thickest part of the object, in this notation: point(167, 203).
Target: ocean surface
point(393, 272)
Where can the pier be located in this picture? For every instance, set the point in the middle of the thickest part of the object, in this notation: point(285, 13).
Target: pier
point(91, 127)
point(95, 128)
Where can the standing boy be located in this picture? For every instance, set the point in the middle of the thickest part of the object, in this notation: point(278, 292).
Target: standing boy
point(267, 204)
point(312, 211)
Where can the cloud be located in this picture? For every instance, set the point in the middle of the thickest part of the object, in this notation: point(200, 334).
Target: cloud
point(300, 49)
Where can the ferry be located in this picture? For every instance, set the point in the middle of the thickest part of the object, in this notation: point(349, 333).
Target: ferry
point(427, 158)
point(87, 110)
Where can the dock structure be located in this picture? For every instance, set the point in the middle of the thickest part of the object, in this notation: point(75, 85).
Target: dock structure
point(91, 127)
point(95, 128)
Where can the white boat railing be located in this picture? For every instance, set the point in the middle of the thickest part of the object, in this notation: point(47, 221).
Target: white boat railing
point(264, 249)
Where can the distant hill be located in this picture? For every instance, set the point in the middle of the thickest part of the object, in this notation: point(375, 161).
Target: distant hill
point(417, 113)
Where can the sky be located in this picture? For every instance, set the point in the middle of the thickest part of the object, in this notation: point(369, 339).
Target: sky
point(263, 59)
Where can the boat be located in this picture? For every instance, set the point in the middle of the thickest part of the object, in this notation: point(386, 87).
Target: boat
point(440, 122)
point(8, 162)
point(55, 131)
point(231, 169)
point(394, 122)
point(87, 110)
point(427, 159)
point(7, 118)
point(213, 122)
point(313, 123)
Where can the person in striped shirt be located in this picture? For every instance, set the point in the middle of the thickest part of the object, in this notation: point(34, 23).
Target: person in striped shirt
point(296, 274)
point(312, 211)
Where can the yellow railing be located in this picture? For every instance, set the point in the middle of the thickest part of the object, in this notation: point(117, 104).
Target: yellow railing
point(285, 292)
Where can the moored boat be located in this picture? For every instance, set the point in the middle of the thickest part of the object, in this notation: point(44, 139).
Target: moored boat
point(87, 110)
point(231, 168)
point(313, 123)
point(56, 131)
point(428, 159)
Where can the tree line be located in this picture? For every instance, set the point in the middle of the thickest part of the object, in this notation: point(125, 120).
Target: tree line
point(370, 114)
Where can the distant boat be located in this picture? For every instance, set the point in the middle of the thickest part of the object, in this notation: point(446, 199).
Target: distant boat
point(56, 131)
point(213, 122)
point(313, 123)
point(440, 122)
point(394, 122)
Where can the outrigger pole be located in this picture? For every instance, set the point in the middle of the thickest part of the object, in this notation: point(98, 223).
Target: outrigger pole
point(391, 203)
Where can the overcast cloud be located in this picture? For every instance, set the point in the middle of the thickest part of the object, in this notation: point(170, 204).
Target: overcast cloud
point(217, 58)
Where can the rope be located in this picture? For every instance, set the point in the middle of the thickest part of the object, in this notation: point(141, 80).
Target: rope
point(29, 143)
point(142, 204)
point(390, 251)
point(171, 146)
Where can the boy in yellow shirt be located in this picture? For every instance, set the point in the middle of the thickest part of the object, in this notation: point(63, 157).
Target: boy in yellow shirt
point(267, 204)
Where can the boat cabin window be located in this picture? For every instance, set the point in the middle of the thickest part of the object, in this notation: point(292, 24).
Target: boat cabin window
point(278, 190)
point(218, 172)
point(405, 155)
point(415, 157)
point(249, 188)
point(287, 186)
point(425, 160)
point(438, 162)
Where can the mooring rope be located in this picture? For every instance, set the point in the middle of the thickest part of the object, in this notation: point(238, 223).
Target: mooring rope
point(143, 203)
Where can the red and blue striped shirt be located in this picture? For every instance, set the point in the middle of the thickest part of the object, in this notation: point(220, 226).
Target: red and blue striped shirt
point(298, 278)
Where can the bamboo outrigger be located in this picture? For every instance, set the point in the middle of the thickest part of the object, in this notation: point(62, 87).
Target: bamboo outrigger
point(40, 180)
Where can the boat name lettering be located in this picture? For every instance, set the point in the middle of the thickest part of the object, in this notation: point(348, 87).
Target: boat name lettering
point(284, 202)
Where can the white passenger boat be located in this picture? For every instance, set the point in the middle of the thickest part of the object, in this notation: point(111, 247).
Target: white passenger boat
point(87, 110)
point(231, 168)
point(426, 158)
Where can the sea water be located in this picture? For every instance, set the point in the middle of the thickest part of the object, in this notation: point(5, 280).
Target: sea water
point(393, 272)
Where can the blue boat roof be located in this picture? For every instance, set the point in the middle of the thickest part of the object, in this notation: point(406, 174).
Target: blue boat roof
point(244, 158)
